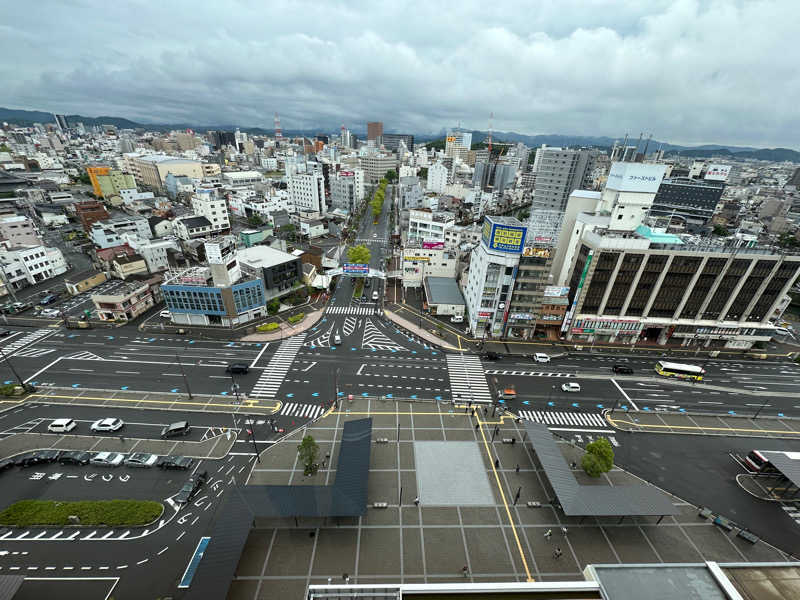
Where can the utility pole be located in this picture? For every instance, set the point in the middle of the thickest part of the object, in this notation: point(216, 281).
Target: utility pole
point(7, 360)
point(183, 373)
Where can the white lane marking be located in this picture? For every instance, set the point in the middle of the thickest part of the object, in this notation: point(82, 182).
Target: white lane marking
point(164, 549)
point(183, 533)
point(255, 360)
point(141, 562)
point(628, 398)
point(581, 430)
point(42, 370)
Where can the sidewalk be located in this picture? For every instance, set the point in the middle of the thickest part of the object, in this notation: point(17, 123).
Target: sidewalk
point(286, 330)
point(704, 424)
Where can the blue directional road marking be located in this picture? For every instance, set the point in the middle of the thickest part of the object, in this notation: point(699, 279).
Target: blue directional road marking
point(575, 404)
point(290, 395)
point(223, 393)
point(340, 394)
point(551, 404)
point(191, 341)
point(646, 408)
point(393, 350)
point(76, 385)
point(353, 349)
point(72, 335)
point(414, 397)
point(365, 394)
point(387, 395)
point(174, 390)
point(33, 382)
point(313, 346)
point(150, 340)
point(413, 352)
point(333, 347)
point(374, 350)
point(111, 337)
point(7, 382)
point(780, 414)
point(315, 394)
point(526, 402)
point(624, 407)
point(438, 398)
point(599, 406)
point(501, 401)
point(258, 345)
point(434, 353)
point(731, 412)
point(124, 387)
point(231, 344)
point(681, 410)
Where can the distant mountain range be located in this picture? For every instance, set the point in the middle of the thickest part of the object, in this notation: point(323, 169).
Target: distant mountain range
point(29, 117)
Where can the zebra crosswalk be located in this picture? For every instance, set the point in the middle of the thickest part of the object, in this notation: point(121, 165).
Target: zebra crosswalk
point(467, 379)
point(295, 409)
point(34, 352)
point(366, 309)
point(563, 419)
point(529, 373)
point(273, 376)
point(26, 340)
point(85, 356)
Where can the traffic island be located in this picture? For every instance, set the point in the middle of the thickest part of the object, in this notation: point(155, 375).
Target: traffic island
point(87, 513)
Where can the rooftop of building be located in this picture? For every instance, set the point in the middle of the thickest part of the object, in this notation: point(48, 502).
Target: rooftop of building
point(443, 290)
point(505, 220)
point(194, 221)
point(263, 257)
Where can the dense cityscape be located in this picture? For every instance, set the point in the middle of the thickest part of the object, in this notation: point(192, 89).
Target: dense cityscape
point(325, 353)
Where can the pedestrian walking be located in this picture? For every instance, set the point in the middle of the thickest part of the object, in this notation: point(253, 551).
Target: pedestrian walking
point(416, 501)
point(547, 534)
point(465, 570)
point(496, 463)
point(346, 577)
point(485, 411)
point(477, 425)
point(564, 530)
point(557, 553)
point(517, 469)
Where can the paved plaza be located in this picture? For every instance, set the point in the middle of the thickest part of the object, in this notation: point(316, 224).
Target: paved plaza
point(432, 541)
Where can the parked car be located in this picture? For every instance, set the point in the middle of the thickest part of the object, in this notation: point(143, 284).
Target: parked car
point(457, 319)
point(18, 307)
point(190, 488)
point(622, 370)
point(541, 357)
point(363, 297)
point(5, 332)
point(48, 456)
point(165, 314)
point(175, 429)
point(174, 462)
point(375, 295)
point(141, 459)
point(108, 424)
point(29, 459)
point(490, 356)
point(62, 426)
point(49, 313)
point(107, 459)
point(75, 457)
point(237, 368)
point(48, 299)
point(7, 463)
point(571, 387)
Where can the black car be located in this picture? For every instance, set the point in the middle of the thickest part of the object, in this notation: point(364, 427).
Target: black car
point(622, 370)
point(174, 462)
point(48, 456)
point(367, 283)
point(175, 429)
point(75, 457)
point(5, 332)
point(191, 487)
point(363, 297)
point(29, 459)
point(6, 463)
point(490, 356)
point(48, 299)
point(237, 368)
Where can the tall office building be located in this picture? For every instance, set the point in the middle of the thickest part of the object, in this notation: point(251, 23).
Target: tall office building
point(307, 191)
point(559, 171)
point(374, 131)
point(391, 141)
point(61, 122)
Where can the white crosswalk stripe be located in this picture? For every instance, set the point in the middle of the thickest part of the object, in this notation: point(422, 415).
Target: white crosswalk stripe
point(529, 373)
point(564, 419)
point(273, 376)
point(34, 352)
point(375, 338)
point(17, 343)
point(85, 356)
point(296, 409)
point(467, 379)
point(365, 309)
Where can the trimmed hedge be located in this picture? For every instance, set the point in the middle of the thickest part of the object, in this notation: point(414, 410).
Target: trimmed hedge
point(268, 327)
point(110, 513)
point(297, 318)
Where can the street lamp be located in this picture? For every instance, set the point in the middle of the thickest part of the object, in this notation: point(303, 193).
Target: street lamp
point(7, 360)
point(183, 373)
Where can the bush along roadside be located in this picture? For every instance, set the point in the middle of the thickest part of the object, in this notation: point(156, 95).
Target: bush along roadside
point(94, 513)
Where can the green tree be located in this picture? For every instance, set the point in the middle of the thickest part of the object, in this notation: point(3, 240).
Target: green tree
point(308, 450)
point(4, 148)
point(359, 254)
point(391, 176)
point(602, 457)
point(273, 306)
point(423, 173)
point(721, 231)
point(255, 220)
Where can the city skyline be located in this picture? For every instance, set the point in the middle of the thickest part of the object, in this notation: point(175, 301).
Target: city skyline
point(692, 73)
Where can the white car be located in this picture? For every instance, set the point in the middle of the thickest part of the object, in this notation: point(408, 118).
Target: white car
point(541, 357)
point(141, 459)
point(165, 314)
point(107, 459)
point(50, 312)
point(571, 387)
point(108, 424)
point(62, 425)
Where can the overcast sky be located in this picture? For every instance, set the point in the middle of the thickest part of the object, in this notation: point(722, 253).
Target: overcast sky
point(689, 72)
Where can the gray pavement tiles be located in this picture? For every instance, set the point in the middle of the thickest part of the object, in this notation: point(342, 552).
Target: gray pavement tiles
point(422, 537)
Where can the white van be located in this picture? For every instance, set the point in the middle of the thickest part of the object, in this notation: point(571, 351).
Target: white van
point(457, 319)
point(571, 387)
point(541, 357)
point(374, 295)
point(337, 340)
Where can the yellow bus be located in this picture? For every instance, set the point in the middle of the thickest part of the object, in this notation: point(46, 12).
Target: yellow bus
point(668, 369)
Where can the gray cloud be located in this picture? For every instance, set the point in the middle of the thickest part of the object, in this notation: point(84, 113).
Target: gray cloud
point(690, 72)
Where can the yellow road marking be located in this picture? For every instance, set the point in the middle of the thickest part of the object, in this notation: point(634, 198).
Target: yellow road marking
point(614, 422)
point(140, 400)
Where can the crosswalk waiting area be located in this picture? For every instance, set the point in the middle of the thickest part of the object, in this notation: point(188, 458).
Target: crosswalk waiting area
point(271, 379)
point(563, 419)
point(296, 409)
point(367, 309)
point(25, 340)
point(467, 379)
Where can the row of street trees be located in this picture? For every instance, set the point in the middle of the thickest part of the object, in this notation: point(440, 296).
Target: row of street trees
point(378, 199)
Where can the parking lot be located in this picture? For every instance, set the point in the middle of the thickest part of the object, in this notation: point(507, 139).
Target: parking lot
point(431, 541)
point(66, 305)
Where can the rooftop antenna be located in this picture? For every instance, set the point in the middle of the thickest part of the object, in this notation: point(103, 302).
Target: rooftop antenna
point(624, 147)
point(491, 116)
point(650, 137)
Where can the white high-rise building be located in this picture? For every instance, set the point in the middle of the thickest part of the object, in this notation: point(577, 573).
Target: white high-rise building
point(206, 203)
point(347, 189)
point(307, 191)
point(437, 178)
